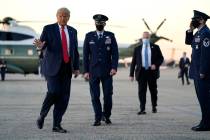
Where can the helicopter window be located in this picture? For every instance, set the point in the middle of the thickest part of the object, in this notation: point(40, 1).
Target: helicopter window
point(10, 36)
point(8, 51)
point(30, 52)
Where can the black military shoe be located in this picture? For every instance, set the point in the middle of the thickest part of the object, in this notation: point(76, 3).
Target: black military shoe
point(59, 129)
point(154, 110)
point(108, 121)
point(97, 123)
point(142, 112)
point(40, 122)
point(200, 128)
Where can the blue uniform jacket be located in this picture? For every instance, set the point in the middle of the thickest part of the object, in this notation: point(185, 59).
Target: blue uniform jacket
point(53, 54)
point(103, 54)
point(200, 42)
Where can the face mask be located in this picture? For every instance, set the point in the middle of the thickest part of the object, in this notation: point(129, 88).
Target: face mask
point(195, 23)
point(145, 41)
point(100, 27)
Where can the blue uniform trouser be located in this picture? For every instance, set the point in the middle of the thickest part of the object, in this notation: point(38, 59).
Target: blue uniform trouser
point(202, 88)
point(58, 94)
point(95, 96)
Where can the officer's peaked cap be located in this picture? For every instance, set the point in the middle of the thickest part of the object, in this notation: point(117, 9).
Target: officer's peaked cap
point(100, 17)
point(198, 14)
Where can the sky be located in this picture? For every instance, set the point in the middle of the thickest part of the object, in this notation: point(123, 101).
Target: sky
point(126, 13)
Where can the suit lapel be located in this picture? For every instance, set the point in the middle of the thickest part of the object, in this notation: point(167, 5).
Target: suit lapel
point(140, 55)
point(152, 51)
point(58, 35)
point(96, 38)
point(70, 38)
point(140, 50)
point(152, 48)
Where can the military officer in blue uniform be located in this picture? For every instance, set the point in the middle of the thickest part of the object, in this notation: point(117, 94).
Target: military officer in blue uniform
point(100, 56)
point(200, 65)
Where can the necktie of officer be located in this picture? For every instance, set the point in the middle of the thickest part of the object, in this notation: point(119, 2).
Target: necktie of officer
point(100, 36)
point(146, 57)
point(64, 45)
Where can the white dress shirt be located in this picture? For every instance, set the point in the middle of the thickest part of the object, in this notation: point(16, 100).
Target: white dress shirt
point(100, 33)
point(67, 35)
point(143, 55)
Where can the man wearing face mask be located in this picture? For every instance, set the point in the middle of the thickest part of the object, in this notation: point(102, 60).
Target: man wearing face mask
point(146, 61)
point(100, 57)
point(200, 65)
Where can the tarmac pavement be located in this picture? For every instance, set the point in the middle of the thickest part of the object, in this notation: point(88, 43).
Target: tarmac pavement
point(178, 110)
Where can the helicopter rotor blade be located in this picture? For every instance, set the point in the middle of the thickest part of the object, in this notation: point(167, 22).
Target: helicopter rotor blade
point(147, 25)
point(76, 23)
point(110, 25)
point(162, 37)
point(2, 22)
point(18, 21)
point(160, 25)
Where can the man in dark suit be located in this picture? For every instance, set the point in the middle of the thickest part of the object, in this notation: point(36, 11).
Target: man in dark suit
point(100, 56)
point(200, 65)
point(60, 59)
point(184, 64)
point(146, 61)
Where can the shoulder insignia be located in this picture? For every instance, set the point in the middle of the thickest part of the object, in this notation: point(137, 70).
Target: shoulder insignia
point(206, 42)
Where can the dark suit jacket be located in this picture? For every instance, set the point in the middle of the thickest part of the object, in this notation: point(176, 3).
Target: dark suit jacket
point(182, 63)
point(103, 53)
point(53, 54)
point(136, 64)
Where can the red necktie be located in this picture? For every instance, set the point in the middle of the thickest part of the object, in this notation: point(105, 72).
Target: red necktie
point(64, 45)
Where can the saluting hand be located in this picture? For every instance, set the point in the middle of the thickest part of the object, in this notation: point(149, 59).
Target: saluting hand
point(38, 43)
point(191, 27)
point(113, 72)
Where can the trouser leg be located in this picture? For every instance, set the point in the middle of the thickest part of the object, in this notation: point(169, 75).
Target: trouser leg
point(142, 90)
point(108, 92)
point(62, 102)
point(152, 82)
point(95, 97)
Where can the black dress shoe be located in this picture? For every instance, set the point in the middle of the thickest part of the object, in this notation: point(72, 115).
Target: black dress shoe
point(154, 110)
point(59, 129)
point(108, 121)
point(97, 123)
point(40, 122)
point(142, 112)
point(200, 128)
point(194, 127)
